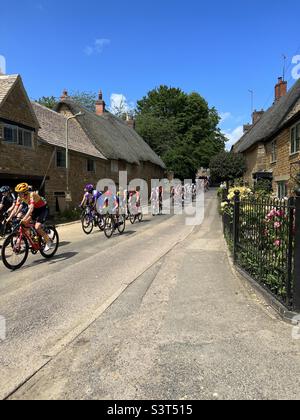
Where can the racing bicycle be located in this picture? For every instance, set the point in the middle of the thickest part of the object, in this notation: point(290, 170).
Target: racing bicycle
point(25, 239)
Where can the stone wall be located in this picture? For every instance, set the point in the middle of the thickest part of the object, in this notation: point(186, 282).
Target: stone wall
point(282, 167)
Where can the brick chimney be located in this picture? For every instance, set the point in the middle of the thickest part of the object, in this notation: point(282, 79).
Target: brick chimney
point(257, 116)
point(280, 89)
point(247, 127)
point(130, 121)
point(64, 95)
point(100, 104)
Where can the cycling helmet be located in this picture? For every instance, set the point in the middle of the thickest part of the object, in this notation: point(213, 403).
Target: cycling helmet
point(4, 189)
point(22, 188)
point(89, 188)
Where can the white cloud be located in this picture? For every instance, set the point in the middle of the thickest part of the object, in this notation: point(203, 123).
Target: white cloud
point(233, 135)
point(225, 116)
point(97, 47)
point(119, 104)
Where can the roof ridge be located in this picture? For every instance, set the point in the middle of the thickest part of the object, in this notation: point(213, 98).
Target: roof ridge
point(271, 121)
point(9, 76)
point(48, 109)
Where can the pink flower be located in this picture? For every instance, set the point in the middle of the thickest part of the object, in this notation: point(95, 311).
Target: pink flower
point(277, 225)
point(280, 213)
point(277, 243)
point(272, 214)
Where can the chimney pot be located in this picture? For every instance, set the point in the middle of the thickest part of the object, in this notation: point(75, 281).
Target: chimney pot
point(100, 104)
point(247, 127)
point(256, 116)
point(130, 121)
point(280, 89)
point(64, 95)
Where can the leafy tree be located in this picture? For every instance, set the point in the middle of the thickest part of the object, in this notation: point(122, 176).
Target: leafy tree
point(181, 128)
point(227, 166)
point(48, 101)
point(85, 99)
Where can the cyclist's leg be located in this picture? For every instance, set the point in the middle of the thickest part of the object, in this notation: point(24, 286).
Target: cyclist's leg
point(40, 218)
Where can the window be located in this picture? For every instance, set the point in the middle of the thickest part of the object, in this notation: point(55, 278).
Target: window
point(282, 189)
point(274, 151)
point(16, 135)
point(91, 165)
point(27, 138)
point(61, 158)
point(11, 134)
point(114, 166)
point(295, 139)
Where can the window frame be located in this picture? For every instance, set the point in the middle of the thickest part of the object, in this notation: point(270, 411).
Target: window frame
point(280, 186)
point(65, 159)
point(88, 161)
point(274, 151)
point(114, 166)
point(294, 139)
point(18, 138)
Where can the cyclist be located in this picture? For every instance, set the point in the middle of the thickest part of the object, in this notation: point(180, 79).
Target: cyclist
point(97, 205)
point(7, 200)
point(37, 211)
point(88, 196)
point(138, 200)
point(154, 201)
point(111, 202)
point(160, 199)
point(123, 201)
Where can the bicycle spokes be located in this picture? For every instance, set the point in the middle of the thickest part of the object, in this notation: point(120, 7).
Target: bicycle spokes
point(15, 251)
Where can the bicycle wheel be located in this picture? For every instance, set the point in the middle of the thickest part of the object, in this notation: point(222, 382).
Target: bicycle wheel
point(121, 224)
point(101, 223)
point(140, 217)
point(109, 226)
point(87, 224)
point(53, 235)
point(132, 219)
point(14, 251)
point(2, 229)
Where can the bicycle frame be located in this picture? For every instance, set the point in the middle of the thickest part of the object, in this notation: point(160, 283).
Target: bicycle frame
point(23, 233)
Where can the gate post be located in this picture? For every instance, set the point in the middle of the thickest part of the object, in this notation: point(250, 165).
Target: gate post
point(236, 224)
point(296, 294)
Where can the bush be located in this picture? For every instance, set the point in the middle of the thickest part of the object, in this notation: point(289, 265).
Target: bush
point(67, 216)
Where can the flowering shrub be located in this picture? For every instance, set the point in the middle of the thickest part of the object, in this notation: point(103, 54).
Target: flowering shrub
point(277, 227)
point(227, 206)
point(264, 245)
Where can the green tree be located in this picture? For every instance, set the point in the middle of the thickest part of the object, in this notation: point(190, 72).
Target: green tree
point(48, 101)
point(227, 166)
point(180, 128)
point(85, 99)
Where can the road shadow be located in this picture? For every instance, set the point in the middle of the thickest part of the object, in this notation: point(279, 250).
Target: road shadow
point(56, 259)
point(64, 243)
point(128, 233)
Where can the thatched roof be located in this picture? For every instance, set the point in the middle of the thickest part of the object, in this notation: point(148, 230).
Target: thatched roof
point(273, 120)
point(112, 137)
point(53, 131)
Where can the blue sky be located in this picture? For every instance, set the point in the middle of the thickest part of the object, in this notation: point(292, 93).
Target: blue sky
point(220, 49)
